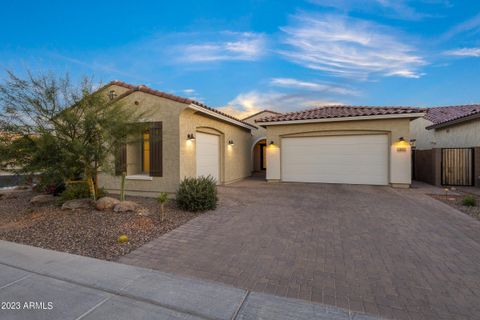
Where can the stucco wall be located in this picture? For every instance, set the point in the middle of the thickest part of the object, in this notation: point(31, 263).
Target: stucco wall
point(257, 135)
point(235, 162)
point(400, 162)
point(155, 109)
point(462, 135)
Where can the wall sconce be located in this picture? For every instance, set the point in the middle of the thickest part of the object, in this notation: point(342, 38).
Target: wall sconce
point(401, 145)
point(190, 136)
point(230, 142)
point(271, 143)
point(112, 94)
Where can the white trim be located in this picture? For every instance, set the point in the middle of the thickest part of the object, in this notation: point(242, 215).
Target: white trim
point(220, 116)
point(139, 177)
point(387, 116)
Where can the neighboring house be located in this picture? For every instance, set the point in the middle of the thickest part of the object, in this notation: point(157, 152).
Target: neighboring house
point(341, 144)
point(185, 139)
point(447, 146)
point(259, 143)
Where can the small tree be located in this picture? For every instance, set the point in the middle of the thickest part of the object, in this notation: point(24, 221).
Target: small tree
point(61, 130)
point(162, 199)
point(122, 187)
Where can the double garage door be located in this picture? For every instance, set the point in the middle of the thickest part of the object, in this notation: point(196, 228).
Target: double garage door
point(356, 159)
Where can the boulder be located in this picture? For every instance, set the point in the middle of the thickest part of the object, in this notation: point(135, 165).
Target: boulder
point(126, 206)
point(106, 203)
point(43, 199)
point(77, 204)
point(143, 212)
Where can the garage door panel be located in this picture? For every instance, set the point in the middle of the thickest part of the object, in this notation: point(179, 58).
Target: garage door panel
point(359, 159)
point(208, 155)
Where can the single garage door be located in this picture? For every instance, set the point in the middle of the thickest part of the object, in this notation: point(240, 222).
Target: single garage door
point(358, 159)
point(208, 155)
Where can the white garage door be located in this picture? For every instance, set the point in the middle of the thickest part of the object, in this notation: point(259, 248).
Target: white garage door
point(361, 159)
point(208, 155)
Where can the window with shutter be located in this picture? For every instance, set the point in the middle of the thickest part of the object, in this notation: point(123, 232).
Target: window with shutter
point(156, 152)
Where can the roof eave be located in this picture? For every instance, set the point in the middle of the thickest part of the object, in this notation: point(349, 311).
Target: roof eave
point(337, 119)
point(453, 122)
point(221, 117)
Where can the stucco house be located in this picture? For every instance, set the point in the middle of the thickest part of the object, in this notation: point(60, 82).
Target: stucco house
point(185, 138)
point(447, 146)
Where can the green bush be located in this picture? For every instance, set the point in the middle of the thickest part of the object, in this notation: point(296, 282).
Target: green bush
point(197, 194)
point(77, 190)
point(50, 183)
point(469, 201)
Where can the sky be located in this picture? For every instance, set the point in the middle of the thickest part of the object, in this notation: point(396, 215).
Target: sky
point(249, 55)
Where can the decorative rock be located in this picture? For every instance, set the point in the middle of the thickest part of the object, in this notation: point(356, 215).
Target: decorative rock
point(43, 199)
point(77, 204)
point(106, 203)
point(126, 206)
point(143, 212)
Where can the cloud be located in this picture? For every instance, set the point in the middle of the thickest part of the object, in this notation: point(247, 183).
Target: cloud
point(471, 25)
point(395, 9)
point(233, 46)
point(464, 52)
point(251, 102)
point(312, 86)
point(348, 47)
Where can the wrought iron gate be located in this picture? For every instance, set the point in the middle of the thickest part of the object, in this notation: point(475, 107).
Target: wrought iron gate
point(457, 166)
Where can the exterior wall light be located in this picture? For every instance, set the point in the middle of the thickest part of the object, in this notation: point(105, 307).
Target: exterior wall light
point(230, 142)
point(190, 136)
point(272, 143)
point(401, 139)
point(112, 94)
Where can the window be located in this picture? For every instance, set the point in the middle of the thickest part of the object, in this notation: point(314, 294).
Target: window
point(146, 152)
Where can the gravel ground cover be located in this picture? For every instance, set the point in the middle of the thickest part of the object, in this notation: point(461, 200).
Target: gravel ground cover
point(86, 232)
point(456, 202)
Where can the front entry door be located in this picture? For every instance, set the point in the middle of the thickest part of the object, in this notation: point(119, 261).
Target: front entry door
point(263, 156)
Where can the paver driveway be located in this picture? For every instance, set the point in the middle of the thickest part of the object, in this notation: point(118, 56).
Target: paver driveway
point(395, 253)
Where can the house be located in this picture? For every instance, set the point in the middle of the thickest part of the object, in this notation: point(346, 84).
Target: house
point(447, 146)
point(341, 144)
point(185, 138)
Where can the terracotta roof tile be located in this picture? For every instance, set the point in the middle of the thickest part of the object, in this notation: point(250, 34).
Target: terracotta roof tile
point(143, 88)
point(440, 115)
point(328, 112)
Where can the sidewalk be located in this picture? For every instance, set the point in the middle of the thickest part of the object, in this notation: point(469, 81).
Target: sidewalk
point(58, 285)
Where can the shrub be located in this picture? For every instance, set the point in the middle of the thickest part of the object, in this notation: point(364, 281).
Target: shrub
point(76, 190)
point(469, 201)
point(197, 194)
point(162, 199)
point(51, 184)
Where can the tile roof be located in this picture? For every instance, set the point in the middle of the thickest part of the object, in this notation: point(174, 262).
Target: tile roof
point(145, 89)
point(329, 112)
point(444, 115)
point(259, 112)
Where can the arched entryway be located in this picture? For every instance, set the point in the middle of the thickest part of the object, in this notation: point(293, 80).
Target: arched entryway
point(259, 154)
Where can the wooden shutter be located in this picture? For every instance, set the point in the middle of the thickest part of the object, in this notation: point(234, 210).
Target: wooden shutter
point(121, 160)
point(156, 152)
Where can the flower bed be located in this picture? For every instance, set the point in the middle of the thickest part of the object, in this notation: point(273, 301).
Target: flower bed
point(87, 232)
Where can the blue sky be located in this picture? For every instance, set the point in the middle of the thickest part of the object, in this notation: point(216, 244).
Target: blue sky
point(243, 56)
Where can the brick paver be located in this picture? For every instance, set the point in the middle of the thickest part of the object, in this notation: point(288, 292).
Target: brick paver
point(394, 253)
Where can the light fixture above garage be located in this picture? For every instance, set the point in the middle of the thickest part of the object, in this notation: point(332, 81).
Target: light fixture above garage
point(190, 136)
point(230, 142)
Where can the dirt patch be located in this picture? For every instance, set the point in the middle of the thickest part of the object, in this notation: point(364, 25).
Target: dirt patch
point(85, 232)
point(455, 201)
